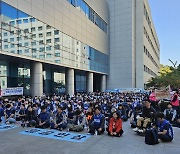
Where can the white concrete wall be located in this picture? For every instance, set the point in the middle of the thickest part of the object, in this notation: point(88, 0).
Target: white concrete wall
point(121, 29)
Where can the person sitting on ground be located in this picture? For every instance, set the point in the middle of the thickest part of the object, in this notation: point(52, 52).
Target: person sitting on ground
point(78, 122)
point(170, 113)
point(122, 112)
point(89, 116)
point(148, 113)
point(165, 131)
point(2, 116)
point(43, 118)
point(97, 122)
point(10, 114)
point(31, 117)
point(115, 125)
point(135, 113)
point(21, 114)
point(61, 120)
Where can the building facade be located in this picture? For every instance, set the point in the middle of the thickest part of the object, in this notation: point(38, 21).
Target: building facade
point(134, 47)
point(67, 46)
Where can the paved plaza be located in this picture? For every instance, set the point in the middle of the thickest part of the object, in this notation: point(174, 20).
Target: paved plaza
point(12, 142)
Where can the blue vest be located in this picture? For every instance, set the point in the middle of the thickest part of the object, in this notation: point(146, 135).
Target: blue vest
point(161, 127)
point(97, 119)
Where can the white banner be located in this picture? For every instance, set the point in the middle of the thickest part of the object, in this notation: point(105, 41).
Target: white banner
point(11, 91)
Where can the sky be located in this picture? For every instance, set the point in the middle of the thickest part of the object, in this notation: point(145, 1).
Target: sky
point(166, 18)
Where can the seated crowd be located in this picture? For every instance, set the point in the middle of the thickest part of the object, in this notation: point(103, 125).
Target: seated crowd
point(95, 112)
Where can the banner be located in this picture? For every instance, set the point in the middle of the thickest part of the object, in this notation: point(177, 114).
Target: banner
point(11, 91)
point(164, 93)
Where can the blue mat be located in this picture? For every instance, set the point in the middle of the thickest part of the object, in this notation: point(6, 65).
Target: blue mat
point(4, 127)
point(55, 134)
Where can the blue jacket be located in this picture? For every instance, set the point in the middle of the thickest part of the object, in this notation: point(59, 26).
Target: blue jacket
point(161, 127)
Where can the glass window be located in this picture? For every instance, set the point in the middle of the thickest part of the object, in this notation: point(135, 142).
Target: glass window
point(34, 50)
point(33, 36)
point(48, 34)
point(83, 6)
point(41, 49)
point(40, 28)
point(41, 42)
point(25, 20)
point(26, 44)
point(12, 23)
point(40, 35)
point(48, 41)
point(48, 27)
point(5, 40)
point(33, 43)
point(57, 46)
point(5, 34)
point(41, 56)
point(19, 38)
point(26, 51)
point(5, 46)
point(57, 54)
point(26, 30)
point(56, 32)
point(33, 29)
point(48, 55)
point(19, 51)
point(56, 40)
point(48, 48)
point(19, 21)
point(32, 19)
point(12, 45)
point(11, 39)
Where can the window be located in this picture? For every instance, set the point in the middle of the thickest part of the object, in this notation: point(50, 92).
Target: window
point(57, 61)
point(12, 23)
point(48, 27)
point(19, 51)
point(48, 41)
point(56, 32)
point(40, 28)
point(12, 45)
point(33, 29)
point(41, 56)
point(56, 40)
point(48, 34)
point(19, 38)
point(41, 49)
point(57, 54)
point(33, 50)
point(26, 30)
point(57, 47)
point(25, 20)
point(48, 55)
point(11, 39)
point(48, 48)
point(5, 46)
point(33, 35)
point(5, 34)
point(33, 43)
point(11, 33)
point(5, 40)
point(26, 51)
point(19, 21)
point(40, 35)
point(32, 19)
point(41, 42)
point(26, 44)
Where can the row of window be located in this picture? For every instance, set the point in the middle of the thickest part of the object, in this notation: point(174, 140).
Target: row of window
point(150, 42)
point(149, 71)
point(149, 23)
point(89, 13)
point(73, 52)
point(150, 56)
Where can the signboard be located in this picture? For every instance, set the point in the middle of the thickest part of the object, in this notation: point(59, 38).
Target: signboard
point(11, 91)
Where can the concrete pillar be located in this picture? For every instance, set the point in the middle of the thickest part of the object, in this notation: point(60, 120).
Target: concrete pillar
point(103, 83)
point(89, 82)
point(36, 79)
point(69, 81)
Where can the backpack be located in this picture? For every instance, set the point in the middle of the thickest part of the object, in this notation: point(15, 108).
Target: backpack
point(151, 136)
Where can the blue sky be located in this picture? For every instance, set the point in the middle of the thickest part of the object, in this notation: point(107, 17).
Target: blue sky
point(166, 18)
